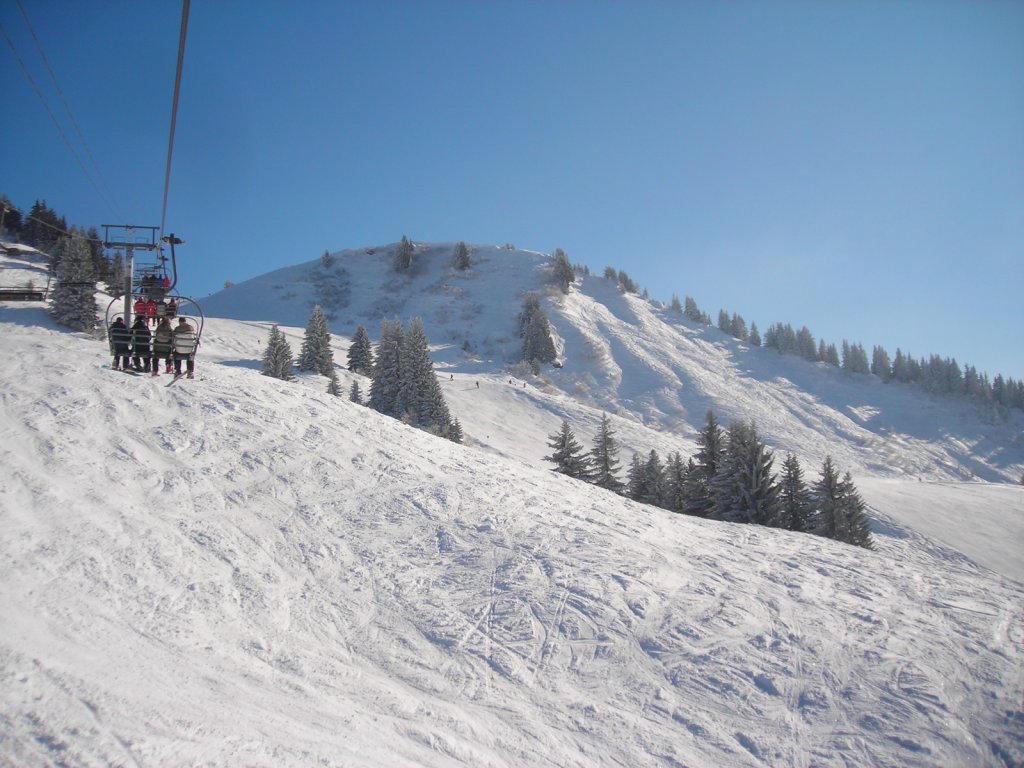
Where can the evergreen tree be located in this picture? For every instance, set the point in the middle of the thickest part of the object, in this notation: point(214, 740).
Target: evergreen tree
point(567, 454)
point(420, 391)
point(604, 457)
point(536, 332)
point(831, 355)
point(626, 282)
point(805, 345)
point(636, 479)
point(277, 358)
point(795, 509)
point(316, 354)
point(711, 450)
point(724, 323)
point(43, 229)
point(692, 311)
point(675, 483)
point(826, 495)
point(676, 306)
point(360, 353)
point(744, 490)
point(880, 364)
point(738, 327)
point(853, 526)
point(100, 267)
point(455, 431)
point(11, 217)
point(654, 481)
point(460, 257)
point(755, 336)
point(333, 385)
point(561, 271)
point(354, 393)
point(386, 384)
point(403, 255)
point(73, 301)
point(726, 485)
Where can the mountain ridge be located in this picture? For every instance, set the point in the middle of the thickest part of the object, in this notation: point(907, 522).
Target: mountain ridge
point(644, 361)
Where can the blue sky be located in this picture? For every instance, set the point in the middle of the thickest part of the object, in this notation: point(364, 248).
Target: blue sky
point(856, 167)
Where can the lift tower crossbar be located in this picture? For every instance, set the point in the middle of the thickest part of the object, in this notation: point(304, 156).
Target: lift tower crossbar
point(131, 238)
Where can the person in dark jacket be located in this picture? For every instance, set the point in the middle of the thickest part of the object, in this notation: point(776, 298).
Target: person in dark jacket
point(163, 341)
point(141, 349)
point(120, 344)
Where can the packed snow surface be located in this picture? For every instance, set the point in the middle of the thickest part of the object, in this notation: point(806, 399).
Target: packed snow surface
point(237, 570)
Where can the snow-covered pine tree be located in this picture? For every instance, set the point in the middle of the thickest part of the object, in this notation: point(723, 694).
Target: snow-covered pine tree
point(455, 433)
point(360, 353)
point(724, 323)
point(760, 486)
point(636, 479)
point(567, 453)
point(403, 255)
point(726, 484)
point(333, 385)
point(654, 480)
point(316, 354)
point(277, 358)
point(421, 391)
point(604, 458)
point(881, 366)
point(738, 327)
point(535, 332)
point(853, 526)
point(675, 483)
point(795, 508)
point(755, 335)
point(354, 394)
point(825, 498)
point(386, 384)
point(691, 310)
point(711, 449)
point(460, 257)
point(73, 300)
point(561, 270)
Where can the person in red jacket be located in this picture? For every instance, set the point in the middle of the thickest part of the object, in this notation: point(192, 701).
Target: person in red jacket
point(151, 311)
point(140, 307)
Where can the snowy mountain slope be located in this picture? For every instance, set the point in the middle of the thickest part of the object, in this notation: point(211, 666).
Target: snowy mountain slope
point(241, 571)
point(646, 363)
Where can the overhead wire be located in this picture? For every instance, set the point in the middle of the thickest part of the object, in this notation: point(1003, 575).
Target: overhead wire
point(108, 199)
point(46, 106)
point(174, 111)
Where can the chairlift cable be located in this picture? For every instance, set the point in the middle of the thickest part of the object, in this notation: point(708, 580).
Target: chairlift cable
point(174, 111)
point(53, 118)
point(108, 199)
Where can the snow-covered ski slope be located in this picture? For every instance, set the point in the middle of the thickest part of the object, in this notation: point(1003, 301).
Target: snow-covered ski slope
point(644, 362)
point(241, 571)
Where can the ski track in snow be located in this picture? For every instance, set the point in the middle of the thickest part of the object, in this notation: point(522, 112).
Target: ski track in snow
point(242, 571)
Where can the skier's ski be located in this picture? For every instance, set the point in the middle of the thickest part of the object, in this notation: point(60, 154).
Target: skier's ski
point(176, 377)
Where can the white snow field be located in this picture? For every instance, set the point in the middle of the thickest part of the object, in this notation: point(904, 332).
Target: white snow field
point(239, 571)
